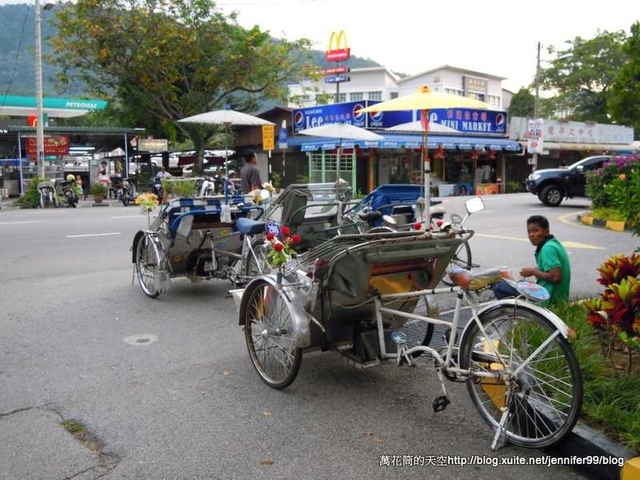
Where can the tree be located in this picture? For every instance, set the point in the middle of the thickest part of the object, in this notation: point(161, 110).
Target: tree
point(163, 60)
point(624, 100)
point(582, 75)
point(522, 104)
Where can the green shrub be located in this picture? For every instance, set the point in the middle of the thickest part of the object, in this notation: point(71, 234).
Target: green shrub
point(598, 181)
point(31, 197)
point(98, 189)
point(514, 187)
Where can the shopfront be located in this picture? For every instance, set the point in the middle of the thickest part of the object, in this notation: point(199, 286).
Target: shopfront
point(461, 164)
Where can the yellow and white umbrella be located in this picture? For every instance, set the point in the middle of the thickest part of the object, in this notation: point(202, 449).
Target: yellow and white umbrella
point(424, 100)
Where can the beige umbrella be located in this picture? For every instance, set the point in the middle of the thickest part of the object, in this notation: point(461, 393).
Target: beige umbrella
point(424, 100)
point(417, 127)
point(228, 118)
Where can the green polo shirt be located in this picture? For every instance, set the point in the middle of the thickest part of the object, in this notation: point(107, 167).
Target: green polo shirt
point(551, 255)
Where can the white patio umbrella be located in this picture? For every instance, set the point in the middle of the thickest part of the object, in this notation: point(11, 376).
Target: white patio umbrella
point(228, 118)
point(341, 131)
point(417, 127)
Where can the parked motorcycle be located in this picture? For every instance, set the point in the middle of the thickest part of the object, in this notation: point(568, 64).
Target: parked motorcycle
point(65, 189)
point(124, 188)
point(156, 187)
point(206, 187)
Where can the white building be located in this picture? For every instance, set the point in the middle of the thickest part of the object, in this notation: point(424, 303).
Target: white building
point(380, 83)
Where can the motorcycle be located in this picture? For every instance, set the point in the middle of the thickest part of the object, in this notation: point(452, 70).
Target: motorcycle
point(65, 189)
point(156, 187)
point(124, 188)
point(206, 187)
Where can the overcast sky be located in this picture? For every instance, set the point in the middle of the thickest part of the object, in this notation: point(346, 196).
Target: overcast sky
point(496, 37)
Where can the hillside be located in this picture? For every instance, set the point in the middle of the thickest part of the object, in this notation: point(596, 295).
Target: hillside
point(17, 55)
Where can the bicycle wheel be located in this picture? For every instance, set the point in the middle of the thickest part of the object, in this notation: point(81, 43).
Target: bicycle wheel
point(538, 396)
point(462, 259)
point(268, 330)
point(148, 266)
point(256, 262)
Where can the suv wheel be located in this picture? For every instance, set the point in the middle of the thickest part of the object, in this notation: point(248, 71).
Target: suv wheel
point(551, 195)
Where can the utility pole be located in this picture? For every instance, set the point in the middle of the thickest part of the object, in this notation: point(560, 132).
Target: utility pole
point(536, 104)
point(39, 114)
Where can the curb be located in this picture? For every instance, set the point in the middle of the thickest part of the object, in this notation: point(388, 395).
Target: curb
point(601, 455)
point(610, 224)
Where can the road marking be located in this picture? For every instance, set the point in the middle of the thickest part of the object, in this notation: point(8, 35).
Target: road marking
point(20, 223)
point(566, 244)
point(93, 235)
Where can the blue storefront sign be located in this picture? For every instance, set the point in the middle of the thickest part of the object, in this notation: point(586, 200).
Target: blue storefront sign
point(464, 120)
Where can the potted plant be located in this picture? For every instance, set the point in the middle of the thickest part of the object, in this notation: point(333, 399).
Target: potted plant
point(98, 190)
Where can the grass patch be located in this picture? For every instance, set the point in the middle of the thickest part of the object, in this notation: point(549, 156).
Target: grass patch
point(607, 213)
point(78, 430)
point(611, 399)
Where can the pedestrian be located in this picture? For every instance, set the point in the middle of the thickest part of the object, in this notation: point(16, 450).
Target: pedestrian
point(552, 270)
point(103, 174)
point(250, 175)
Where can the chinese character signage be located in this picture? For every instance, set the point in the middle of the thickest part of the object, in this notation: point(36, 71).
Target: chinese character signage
point(535, 137)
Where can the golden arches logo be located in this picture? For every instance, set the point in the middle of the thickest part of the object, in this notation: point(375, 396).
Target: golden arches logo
point(338, 50)
point(337, 38)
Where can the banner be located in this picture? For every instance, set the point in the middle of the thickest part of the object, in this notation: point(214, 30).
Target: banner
point(57, 145)
point(535, 140)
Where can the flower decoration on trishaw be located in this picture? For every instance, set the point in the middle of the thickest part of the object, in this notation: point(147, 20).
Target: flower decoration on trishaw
point(257, 195)
point(281, 244)
point(147, 201)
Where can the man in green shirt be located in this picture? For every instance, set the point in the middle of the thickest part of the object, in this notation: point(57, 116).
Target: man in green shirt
point(552, 270)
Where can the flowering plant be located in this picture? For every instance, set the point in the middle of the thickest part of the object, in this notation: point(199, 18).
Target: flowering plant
point(147, 201)
point(281, 248)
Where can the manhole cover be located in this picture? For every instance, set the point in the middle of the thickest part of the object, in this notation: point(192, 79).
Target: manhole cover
point(141, 340)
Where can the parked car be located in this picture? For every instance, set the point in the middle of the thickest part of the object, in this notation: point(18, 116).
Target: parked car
point(552, 185)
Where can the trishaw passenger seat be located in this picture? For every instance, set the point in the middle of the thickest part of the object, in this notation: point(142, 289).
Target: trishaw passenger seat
point(293, 211)
point(248, 226)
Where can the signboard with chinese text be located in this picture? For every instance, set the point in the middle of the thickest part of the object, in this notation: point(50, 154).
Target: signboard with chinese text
point(55, 145)
point(535, 137)
point(268, 137)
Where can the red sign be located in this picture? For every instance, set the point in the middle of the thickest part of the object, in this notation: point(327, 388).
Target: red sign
point(57, 145)
point(338, 55)
point(335, 70)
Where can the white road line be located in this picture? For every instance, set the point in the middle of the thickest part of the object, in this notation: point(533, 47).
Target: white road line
point(93, 235)
point(20, 223)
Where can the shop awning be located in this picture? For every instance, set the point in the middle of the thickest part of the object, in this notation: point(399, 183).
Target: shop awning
point(598, 147)
point(395, 140)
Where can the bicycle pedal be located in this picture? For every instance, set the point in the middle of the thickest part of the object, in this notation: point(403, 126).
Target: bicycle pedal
point(440, 403)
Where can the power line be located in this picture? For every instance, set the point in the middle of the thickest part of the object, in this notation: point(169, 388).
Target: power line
point(15, 65)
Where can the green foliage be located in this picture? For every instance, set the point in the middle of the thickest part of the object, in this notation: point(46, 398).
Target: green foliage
point(624, 98)
point(522, 104)
point(98, 189)
point(31, 197)
point(180, 187)
point(610, 401)
point(624, 196)
point(276, 179)
point(617, 309)
point(164, 61)
point(597, 181)
point(582, 75)
point(514, 187)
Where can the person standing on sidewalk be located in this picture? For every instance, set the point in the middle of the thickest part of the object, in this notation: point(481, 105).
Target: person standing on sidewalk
point(552, 270)
point(250, 175)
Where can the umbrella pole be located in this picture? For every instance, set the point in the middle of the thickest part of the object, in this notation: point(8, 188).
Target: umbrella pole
point(427, 169)
point(338, 162)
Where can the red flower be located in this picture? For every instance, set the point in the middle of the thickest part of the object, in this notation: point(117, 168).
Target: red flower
point(278, 247)
point(286, 231)
point(271, 236)
point(296, 238)
point(417, 226)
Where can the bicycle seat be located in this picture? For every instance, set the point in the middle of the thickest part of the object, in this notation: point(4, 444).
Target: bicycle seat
point(249, 226)
point(474, 281)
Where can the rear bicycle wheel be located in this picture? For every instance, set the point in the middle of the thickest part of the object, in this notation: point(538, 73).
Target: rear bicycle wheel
point(536, 393)
point(149, 263)
point(268, 329)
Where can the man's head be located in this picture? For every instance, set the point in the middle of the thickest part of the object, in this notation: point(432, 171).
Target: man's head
point(251, 158)
point(104, 164)
point(537, 229)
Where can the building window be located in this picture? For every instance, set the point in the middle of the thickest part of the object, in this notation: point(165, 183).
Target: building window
point(393, 95)
point(342, 98)
point(356, 96)
point(375, 95)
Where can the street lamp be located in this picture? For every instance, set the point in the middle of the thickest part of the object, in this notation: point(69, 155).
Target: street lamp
point(39, 114)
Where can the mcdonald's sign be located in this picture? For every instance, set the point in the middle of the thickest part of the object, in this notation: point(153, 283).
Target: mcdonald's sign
point(338, 50)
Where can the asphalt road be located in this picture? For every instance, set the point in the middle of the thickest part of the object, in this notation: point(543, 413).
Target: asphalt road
point(165, 387)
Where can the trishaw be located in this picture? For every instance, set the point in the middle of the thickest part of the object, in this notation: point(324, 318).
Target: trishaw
point(356, 294)
point(198, 238)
